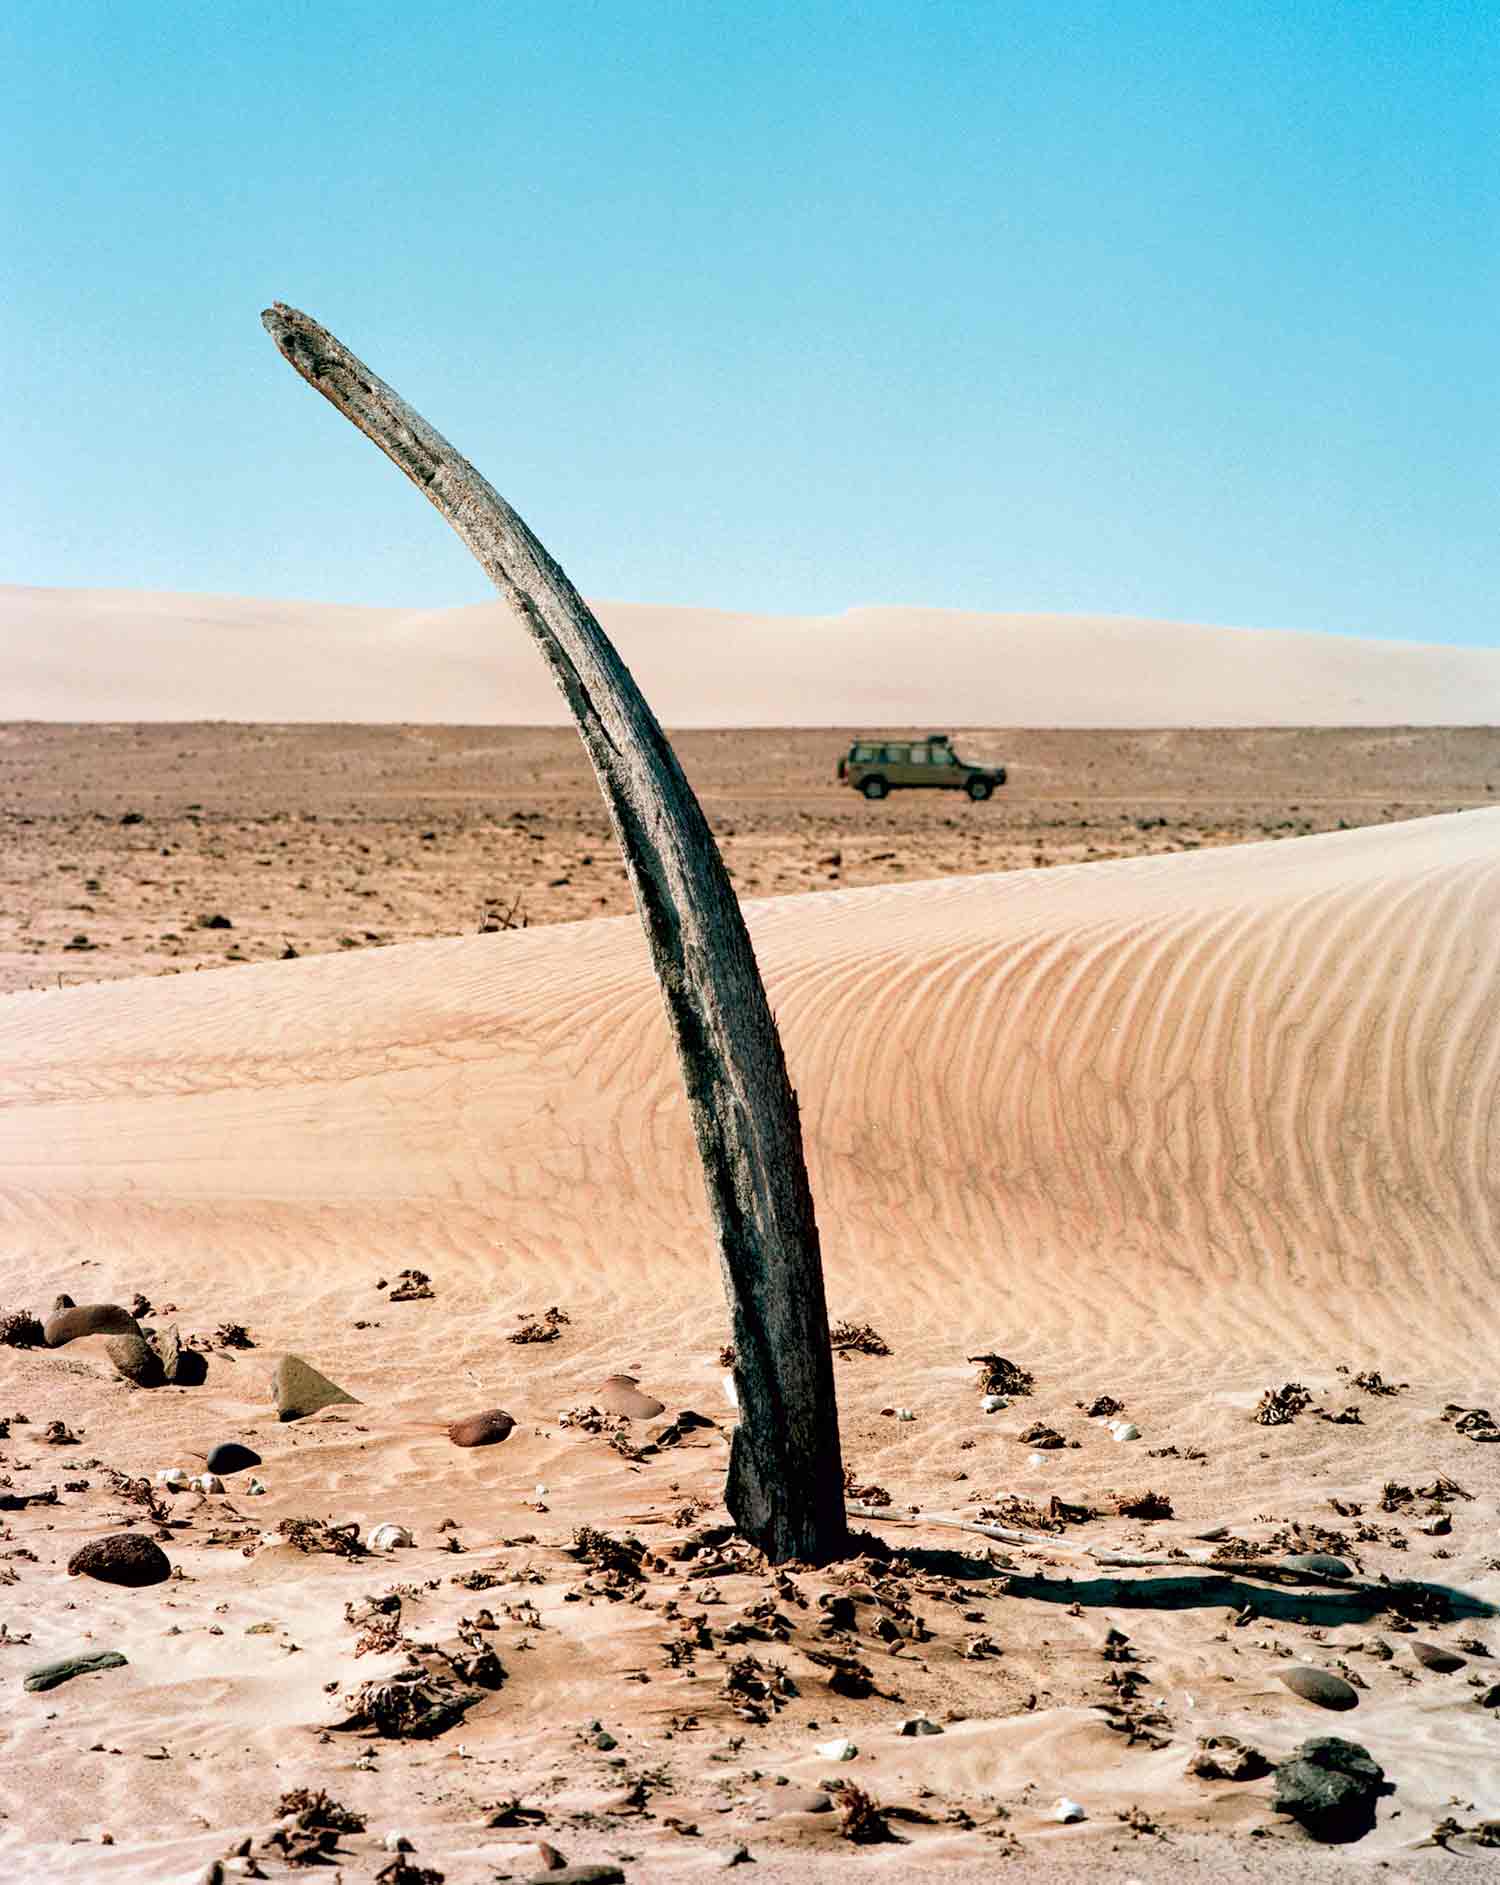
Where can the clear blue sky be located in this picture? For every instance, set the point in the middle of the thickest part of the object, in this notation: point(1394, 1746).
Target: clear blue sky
point(1145, 309)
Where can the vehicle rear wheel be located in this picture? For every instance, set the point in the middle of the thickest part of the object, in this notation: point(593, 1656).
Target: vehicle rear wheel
point(874, 788)
point(979, 789)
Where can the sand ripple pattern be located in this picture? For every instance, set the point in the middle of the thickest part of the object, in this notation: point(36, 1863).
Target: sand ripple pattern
point(1251, 1094)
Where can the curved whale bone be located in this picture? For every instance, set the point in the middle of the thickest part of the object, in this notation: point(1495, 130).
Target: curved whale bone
point(785, 1486)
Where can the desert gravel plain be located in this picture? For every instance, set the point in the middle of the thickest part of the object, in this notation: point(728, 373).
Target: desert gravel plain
point(1171, 1076)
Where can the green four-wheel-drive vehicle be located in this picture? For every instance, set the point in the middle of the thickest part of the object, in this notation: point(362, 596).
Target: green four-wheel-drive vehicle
point(878, 766)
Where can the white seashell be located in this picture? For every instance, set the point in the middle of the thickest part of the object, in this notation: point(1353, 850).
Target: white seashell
point(992, 1403)
point(1066, 1811)
point(207, 1482)
point(1126, 1430)
point(837, 1750)
point(173, 1477)
point(398, 1842)
point(731, 1392)
point(389, 1538)
point(538, 1492)
point(1036, 1459)
point(905, 1413)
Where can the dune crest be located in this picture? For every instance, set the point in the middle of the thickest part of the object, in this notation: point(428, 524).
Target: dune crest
point(119, 655)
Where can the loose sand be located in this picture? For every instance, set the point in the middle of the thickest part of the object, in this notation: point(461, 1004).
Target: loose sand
point(1174, 1129)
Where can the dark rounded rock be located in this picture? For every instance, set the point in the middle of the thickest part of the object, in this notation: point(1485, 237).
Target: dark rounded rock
point(121, 1558)
point(1440, 1661)
point(1321, 1686)
point(620, 1394)
point(90, 1318)
point(135, 1358)
point(192, 1369)
point(1318, 1564)
point(230, 1457)
point(64, 1301)
point(1331, 1786)
point(486, 1429)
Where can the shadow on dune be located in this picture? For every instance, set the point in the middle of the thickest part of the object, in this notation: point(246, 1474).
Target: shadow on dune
point(1195, 1590)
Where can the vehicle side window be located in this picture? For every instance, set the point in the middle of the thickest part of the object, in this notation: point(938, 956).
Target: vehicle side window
point(896, 755)
point(941, 756)
point(919, 756)
point(863, 755)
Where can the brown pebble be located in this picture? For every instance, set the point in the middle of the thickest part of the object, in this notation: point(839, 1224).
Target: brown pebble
point(1441, 1661)
point(121, 1558)
point(771, 1806)
point(621, 1395)
point(485, 1429)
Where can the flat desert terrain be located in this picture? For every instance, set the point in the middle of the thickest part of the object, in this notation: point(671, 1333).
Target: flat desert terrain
point(1171, 1077)
point(141, 849)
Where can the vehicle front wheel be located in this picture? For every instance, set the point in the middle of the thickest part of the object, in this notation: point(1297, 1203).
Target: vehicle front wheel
point(874, 788)
point(979, 789)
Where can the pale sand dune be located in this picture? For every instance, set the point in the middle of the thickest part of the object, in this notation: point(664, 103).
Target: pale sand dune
point(1170, 1128)
point(1164, 1092)
point(120, 655)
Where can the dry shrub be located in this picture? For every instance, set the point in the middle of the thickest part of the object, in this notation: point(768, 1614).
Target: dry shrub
point(622, 1556)
point(1026, 1514)
point(865, 1494)
point(412, 1286)
point(1372, 1383)
point(861, 1817)
point(315, 1534)
point(547, 1329)
point(412, 1705)
point(1278, 1407)
point(19, 1328)
point(857, 1338)
point(1143, 1504)
point(999, 1376)
point(319, 1809)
